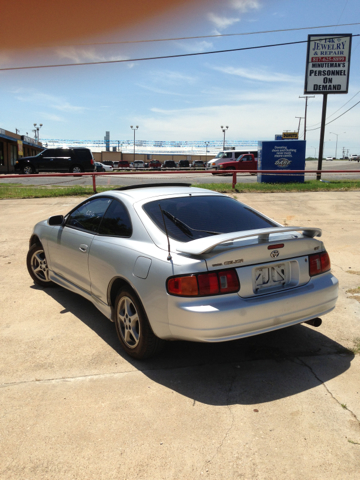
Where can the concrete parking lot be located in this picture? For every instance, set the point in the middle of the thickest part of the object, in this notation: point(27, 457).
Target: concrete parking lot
point(284, 405)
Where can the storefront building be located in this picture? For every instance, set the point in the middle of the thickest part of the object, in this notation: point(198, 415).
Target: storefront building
point(13, 146)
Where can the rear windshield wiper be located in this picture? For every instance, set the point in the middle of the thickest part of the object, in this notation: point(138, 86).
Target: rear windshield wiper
point(184, 227)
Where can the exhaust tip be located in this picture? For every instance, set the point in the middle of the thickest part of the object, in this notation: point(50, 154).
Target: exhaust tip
point(315, 322)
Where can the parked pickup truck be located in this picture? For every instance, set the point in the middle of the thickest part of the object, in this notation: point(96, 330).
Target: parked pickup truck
point(243, 162)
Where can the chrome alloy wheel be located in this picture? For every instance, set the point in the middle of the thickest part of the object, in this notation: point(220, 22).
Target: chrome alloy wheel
point(39, 266)
point(128, 322)
point(76, 170)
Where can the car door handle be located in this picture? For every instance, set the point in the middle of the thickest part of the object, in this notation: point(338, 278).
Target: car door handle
point(83, 248)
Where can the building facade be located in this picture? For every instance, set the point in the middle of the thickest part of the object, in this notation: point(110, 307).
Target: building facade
point(13, 146)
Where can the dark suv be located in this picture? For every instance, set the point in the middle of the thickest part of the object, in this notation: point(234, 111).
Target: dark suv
point(74, 160)
point(168, 164)
point(184, 163)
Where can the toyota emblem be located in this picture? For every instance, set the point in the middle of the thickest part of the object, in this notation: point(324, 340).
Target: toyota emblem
point(274, 254)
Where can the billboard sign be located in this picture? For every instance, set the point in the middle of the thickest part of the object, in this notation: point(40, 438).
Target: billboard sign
point(328, 64)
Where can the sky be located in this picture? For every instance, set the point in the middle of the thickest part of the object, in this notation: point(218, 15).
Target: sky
point(254, 92)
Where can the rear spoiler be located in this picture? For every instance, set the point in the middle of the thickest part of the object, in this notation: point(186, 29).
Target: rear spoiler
point(205, 245)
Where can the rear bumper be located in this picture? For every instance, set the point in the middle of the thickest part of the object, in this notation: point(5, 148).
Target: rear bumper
point(229, 317)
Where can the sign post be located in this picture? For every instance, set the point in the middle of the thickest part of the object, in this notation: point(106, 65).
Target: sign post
point(327, 71)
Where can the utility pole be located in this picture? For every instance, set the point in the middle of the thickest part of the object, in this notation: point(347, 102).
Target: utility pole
point(306, 100)
point(299, 124)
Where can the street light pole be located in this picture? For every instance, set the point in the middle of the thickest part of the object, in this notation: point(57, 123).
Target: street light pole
point(224, 130)
point(134, 128)
point(315, 150)
point(337, 135)
point(37, 131)
point(206, 147)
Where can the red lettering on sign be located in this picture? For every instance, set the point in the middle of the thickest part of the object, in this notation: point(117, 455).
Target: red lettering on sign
point(328, 59)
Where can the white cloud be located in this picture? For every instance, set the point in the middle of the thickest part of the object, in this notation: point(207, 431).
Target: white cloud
point(257, 74)
point(85, 55)
point(195, 47)
point(171, 77)
point(221, 23)
point(244, 6)
point(52, 117)
point(161, 91)
point(50, 101)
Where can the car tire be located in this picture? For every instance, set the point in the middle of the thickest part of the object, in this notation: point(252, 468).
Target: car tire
point(37, 266)
point(133, 327)
point(27, 170)
point(76, 169)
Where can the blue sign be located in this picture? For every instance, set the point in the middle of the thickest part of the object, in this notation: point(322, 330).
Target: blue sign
point(281, 155)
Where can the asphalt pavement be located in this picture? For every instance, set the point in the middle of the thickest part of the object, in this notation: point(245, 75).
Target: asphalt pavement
point(189, 176)
point(279, 406)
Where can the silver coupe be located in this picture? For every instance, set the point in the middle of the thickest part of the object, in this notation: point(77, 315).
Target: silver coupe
point(169, 261)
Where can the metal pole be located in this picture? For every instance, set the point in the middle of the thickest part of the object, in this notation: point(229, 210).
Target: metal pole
point(134, 128)
point(322, 133)
point(306, 99)
point(224, 130)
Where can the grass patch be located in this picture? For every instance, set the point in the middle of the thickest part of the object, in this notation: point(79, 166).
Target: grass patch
point(8, 191)
point(307, 186)
point(16, 190)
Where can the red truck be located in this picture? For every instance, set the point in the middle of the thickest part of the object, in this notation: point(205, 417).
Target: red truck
point(244, 162)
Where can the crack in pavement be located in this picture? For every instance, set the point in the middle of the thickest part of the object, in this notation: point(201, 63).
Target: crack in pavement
point(327, 389)
point(208, 462)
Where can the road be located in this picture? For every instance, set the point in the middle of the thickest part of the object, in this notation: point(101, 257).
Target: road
point(185, 176)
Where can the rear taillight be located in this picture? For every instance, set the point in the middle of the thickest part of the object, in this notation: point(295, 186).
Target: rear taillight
point(204, 284)
point(319, 263)
point(92, 161)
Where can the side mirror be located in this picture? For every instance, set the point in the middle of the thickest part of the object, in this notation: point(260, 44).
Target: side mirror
point(56, 220)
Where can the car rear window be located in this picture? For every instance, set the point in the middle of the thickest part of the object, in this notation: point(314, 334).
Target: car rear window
point(192, 217)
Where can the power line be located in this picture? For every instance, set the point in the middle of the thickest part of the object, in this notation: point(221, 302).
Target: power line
point(328, 123)
point(199, 37)
point(163, 57)
point(338, 108)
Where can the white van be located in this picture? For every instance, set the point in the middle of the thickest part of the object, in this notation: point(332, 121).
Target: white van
point(228, 156)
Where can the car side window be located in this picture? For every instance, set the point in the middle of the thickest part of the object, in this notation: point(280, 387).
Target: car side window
point(88, 216)
point(116, 221)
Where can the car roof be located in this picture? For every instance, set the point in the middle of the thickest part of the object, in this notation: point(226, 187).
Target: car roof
point(142, 192)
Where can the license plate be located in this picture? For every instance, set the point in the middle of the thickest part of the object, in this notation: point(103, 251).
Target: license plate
point(272, 276)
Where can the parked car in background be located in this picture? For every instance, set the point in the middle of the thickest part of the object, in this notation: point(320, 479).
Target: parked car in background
point(138, 164)
point(110, 163)
point(244, 162)
point(198, 164)
point(168, 164)
point(329, 159)
point(228, 156)
point(73, 160)
point(123, 164)
point(102, 167)
point(172, 262)
point(354, 157)
point(154, 164)
point(183, 164)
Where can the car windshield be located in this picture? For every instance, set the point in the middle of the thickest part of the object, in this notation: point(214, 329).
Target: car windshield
point(220, 155)
point(192, 217)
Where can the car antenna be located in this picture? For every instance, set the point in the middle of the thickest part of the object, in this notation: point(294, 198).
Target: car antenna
point(167, 235)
